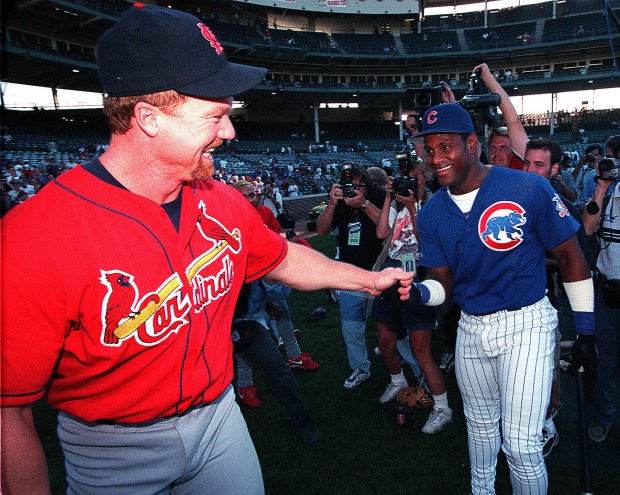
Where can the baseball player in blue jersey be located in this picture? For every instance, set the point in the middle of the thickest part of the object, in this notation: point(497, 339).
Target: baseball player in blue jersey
point(483, 237)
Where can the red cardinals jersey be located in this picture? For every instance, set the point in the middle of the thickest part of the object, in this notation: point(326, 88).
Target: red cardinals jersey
point(516, 162)
point(115, 313)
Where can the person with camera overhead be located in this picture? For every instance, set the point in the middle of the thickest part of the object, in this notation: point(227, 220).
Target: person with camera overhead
point(354, 208)
point(399, 226)
point(506, 144)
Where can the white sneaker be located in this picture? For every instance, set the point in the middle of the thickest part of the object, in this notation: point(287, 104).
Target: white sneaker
point(437, 420)
point(357, 377)
point(391, 391)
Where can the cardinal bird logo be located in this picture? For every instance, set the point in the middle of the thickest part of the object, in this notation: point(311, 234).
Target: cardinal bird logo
point(211, 38)
point(212, 229)
point(119, 302)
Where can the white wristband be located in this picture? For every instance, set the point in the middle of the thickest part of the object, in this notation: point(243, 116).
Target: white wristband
point(580, 295)
point(437, 294)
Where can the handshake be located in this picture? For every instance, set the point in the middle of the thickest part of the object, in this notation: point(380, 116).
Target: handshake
point(415, 294)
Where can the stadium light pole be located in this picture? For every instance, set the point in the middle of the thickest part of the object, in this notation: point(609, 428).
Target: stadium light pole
point(315, 107)
point(554, 106)
point(400, 120)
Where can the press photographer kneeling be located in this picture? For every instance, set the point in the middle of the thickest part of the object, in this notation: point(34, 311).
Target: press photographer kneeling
point(398, 226)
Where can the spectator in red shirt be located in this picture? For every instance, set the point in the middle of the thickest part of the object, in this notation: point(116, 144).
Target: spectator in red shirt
point(247, 189)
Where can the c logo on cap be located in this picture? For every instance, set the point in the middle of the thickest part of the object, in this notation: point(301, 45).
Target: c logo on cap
point(431, 118)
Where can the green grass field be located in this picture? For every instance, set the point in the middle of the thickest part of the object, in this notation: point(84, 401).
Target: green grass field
point(362, 453)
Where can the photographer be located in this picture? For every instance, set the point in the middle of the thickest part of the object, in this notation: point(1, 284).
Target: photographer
point(271, 198)
point(587, 165)
point(401, 248)
point(599, 218)
point(588, 178)
point(562, 181)
point(506, 144)
point(354, 208)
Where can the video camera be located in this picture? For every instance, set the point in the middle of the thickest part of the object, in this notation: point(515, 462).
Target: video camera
point(478, 100)
point(406, 160)
point(346, 181)
point(609, 169)
point(401, 185)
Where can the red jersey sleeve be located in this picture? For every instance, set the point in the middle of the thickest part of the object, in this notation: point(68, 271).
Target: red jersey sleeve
point(34, 318)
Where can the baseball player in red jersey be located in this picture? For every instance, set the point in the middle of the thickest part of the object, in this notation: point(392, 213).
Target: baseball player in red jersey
point(120, 279)
point(483, 237)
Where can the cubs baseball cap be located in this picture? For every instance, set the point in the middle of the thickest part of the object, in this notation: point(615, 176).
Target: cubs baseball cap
point(447, 118)
point(153, 49)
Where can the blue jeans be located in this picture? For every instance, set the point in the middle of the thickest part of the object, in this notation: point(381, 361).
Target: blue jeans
point(601, 405)
point(263, 355)
point(284, 328)
point(353, 319)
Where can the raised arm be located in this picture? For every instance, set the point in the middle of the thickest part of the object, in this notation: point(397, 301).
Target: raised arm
point(516, 131)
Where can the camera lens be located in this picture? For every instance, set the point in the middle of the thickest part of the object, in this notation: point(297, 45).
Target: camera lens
point(348, 191)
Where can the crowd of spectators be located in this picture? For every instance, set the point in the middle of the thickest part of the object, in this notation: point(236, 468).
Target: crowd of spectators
point(22, 180)
point(287, 173)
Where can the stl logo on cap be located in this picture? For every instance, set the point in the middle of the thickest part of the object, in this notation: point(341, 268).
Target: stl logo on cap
point(431, 118)
point(499, 224)
point(211, 38)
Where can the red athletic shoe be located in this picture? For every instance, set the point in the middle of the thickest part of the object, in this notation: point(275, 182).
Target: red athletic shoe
point(249, 396)
point(303, 361)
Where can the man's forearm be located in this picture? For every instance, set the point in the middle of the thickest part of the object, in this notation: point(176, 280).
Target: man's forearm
point(307, 269)
point(24, 469)
point(516, 131)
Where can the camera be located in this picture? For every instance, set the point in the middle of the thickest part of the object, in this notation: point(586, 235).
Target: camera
point(346, 181)
point(402, 185)
point(406, 160)
point(608, 169)
point(478, 99)
point(590, 158)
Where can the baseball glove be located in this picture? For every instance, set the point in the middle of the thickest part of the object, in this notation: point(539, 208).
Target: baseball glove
point(415, 397)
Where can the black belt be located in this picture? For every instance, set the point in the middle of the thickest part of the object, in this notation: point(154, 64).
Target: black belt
point(110, 422)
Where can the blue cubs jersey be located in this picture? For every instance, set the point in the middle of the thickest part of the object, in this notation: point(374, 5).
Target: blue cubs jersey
point(496, 252)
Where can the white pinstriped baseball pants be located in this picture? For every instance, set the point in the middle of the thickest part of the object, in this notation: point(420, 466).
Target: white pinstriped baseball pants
point(504, 369)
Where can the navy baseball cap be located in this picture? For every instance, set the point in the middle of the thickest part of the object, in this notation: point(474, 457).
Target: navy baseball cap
point(447, 118)
point(153, 49)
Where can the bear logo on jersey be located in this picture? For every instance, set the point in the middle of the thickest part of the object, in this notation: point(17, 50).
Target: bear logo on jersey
point(499, 224)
